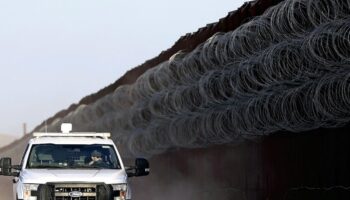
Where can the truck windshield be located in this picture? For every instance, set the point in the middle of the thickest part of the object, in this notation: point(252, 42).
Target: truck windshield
point(73, 156)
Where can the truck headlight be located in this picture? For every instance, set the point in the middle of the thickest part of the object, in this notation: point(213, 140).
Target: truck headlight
point(122, 191)
point(27, 191)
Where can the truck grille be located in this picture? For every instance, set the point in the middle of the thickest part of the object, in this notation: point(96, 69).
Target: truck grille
point(82, 191)
point(75, 191)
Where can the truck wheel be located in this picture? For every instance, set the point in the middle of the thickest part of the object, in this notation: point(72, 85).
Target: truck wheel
point(104, 192)
point(45, 193)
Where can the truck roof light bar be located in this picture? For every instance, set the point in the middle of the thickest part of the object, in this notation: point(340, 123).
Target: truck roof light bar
point(101, 135)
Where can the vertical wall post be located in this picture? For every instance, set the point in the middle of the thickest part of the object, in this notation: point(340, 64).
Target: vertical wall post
point(24, 129)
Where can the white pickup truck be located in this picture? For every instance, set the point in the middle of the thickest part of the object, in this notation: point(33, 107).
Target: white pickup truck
point(72, 166)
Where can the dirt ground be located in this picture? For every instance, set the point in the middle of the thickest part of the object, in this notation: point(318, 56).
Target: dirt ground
point(6, 188)
point(15, 152)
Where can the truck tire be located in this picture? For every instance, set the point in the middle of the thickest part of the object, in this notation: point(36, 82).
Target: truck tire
point(45, 192)
point(104, 192)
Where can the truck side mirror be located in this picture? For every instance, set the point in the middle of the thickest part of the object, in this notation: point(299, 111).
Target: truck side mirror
point(6, 167)
point(141, 168)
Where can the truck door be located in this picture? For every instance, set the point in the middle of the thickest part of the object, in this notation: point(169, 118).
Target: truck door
point(16, 180)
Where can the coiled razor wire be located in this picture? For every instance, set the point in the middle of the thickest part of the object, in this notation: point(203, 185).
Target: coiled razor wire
point(288, 69)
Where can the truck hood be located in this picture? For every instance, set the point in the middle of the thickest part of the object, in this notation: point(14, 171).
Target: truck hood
point(42, 176)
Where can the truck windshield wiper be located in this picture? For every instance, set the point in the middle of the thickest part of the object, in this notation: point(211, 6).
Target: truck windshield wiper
point(88, 167)
point(79, 167)
point(47, 166)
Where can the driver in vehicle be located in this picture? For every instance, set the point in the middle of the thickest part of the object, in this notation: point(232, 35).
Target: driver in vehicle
point(96, 160)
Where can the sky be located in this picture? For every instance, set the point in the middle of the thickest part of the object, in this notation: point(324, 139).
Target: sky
point(55, 52)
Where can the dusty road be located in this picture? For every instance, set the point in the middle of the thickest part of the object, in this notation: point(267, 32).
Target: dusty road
point(15, 152)
point(6, 188)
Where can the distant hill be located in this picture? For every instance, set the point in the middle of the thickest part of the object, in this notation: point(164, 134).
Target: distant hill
point(6, 139)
